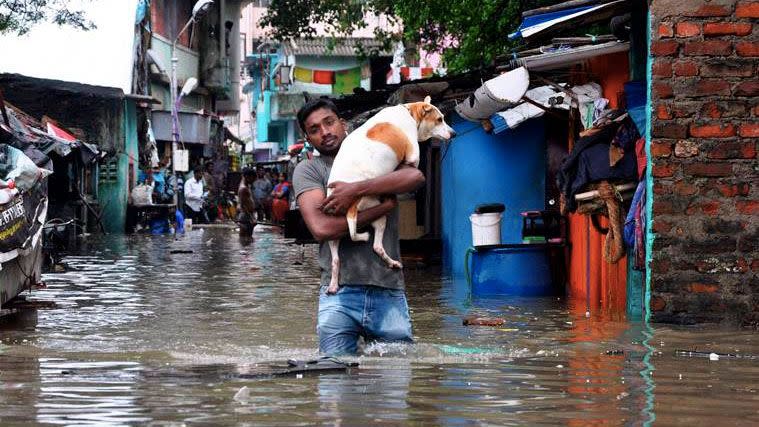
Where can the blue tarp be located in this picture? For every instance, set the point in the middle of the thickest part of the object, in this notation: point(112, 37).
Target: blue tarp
point(534, 20)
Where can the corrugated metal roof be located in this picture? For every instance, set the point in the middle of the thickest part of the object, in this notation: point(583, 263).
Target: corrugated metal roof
point(326, 46)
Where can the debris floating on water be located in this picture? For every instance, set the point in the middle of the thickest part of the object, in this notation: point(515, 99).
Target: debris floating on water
point(483, 321)
point(713, 356)
point(243, 394)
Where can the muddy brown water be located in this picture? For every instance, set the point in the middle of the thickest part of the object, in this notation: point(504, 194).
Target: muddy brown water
point(143, 336)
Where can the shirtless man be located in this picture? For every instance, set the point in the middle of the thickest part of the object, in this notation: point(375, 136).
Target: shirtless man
point(246, 207)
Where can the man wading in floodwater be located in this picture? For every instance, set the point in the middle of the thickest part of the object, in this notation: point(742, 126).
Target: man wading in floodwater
point(371, 301)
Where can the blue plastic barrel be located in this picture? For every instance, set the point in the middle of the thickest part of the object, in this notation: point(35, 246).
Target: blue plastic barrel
point(520, 271)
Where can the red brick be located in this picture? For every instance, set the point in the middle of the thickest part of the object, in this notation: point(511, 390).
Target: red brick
point(747, 48)
point(747, 9)
point(710, 208)
point(660, 266)
point(755, 111)
point(685, 148)
point(687, 29)
point(755, 265)
point(711, 110)
point(748, 88)
point(685, 188)
point(708, 169)
point(665, 30)
point(663, 170)
point(669, 131)
point(732, 150)
point(686, 68)
point(727, 29)
point(709, 10)
point(706, 87)
point(658, 304)
point(709, 47)
point(663, 90)
point(732, 190)
point(700, 288)
point(661, 226)
point(663, 207)
point(748, 207)
point(661, 149)
point(664, 48)
point(662, 68)
point(728, 68)
point(712, 131)
point(749, 130)
point(660, 188)
point(662, 112)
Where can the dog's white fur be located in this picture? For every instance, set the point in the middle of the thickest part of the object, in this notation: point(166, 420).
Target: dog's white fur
point(377, 148)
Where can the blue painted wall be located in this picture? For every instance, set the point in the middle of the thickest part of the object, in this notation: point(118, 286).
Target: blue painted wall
point(479, 168)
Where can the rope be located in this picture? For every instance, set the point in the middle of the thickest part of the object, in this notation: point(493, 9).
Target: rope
point(614, 248)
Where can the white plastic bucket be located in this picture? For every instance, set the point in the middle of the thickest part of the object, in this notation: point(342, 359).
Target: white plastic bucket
point(486, 229)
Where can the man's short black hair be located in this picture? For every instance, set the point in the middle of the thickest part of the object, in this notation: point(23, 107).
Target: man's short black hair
point(248, 172)
point(313, 105)
point(197, 169)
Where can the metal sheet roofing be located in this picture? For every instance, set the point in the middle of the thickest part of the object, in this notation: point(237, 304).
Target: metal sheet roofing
point(326, 46)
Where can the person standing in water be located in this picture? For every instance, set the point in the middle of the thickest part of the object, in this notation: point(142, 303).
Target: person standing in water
point(246, 207)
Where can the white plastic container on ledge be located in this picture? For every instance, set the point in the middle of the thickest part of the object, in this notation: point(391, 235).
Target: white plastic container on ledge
point(486, 228)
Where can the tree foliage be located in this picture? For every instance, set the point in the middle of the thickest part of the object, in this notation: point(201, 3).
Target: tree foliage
point(18, 16)
point(468, 33)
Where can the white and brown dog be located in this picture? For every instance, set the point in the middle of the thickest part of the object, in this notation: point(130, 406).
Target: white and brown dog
point(376, 148)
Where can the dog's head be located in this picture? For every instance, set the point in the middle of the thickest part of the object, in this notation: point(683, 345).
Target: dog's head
point(430, 122)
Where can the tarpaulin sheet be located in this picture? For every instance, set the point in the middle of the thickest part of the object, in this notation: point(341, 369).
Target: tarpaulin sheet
point(18, 219)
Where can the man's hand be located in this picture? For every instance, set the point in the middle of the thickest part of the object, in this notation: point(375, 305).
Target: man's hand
point(342, 197)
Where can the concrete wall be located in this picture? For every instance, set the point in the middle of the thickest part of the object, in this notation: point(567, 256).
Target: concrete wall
point(113, 194)
point(705, 129)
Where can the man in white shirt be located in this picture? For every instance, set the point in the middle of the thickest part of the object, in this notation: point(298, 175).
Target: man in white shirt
point(193, 198)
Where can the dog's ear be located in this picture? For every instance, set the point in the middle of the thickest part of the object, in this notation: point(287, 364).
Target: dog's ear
point(427, 108)
point(427, 99)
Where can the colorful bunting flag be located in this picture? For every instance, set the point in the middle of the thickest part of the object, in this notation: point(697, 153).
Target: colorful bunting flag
point(303, 74)
point(325, 77)
point(347, 80)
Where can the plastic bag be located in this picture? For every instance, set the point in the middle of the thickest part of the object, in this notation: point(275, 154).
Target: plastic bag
point(142, 195)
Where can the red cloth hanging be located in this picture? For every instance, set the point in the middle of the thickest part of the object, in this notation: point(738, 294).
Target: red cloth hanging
point(324, 77)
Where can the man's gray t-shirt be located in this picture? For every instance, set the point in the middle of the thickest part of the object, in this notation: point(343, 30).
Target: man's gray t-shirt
point(359, 264)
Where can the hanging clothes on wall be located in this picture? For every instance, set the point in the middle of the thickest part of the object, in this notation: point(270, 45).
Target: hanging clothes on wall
point(304, 75)
point(589, 160)
point(325, 77)
point(347, 80)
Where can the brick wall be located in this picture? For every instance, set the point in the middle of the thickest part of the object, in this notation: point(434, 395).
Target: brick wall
point(705, 129)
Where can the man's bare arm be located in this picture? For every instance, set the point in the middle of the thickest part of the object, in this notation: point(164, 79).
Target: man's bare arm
point(328, 227)
point(403, 180)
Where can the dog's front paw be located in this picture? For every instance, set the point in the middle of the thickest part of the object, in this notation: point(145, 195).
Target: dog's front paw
point(332, 289)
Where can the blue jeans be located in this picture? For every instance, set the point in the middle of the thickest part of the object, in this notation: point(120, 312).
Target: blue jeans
point(377, 314)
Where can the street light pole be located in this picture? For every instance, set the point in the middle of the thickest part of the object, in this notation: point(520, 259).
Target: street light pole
point(200, 7)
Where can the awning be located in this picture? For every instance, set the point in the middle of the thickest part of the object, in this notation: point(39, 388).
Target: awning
point(231, 136)
point(552, 22)
point(194, 128)
point(561, 58)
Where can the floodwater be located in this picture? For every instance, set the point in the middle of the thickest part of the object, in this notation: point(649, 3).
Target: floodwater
point(143, 336)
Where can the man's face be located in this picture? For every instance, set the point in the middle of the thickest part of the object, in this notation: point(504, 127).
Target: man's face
point(198, 176)
point(325, 131)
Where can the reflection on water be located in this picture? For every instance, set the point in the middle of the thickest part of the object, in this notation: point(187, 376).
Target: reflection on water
point(153, 329)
